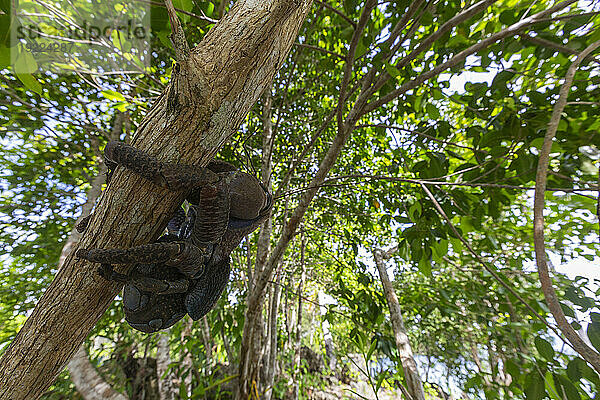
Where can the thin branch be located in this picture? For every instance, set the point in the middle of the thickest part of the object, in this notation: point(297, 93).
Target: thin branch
point(320, 49)
point(428, 42)
point(403, 23)
point(420, 134)
point(485, 265)
point(547, 43)
point(358, 31)
point(338, 12)
point(434, 183)
point(589, 354)
point(305, 149)
point(202, 17)
point(511, 30)
point(569, 16)
point(180, 44)
point(583, 103)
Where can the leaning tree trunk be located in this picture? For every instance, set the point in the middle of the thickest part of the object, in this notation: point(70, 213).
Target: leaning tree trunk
point(298, 343)
point(270, 364)
point(409, 365)
point(166, 378)
point(88, 381)
point(212, 89)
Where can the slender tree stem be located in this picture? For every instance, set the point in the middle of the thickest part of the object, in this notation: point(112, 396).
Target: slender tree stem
point(589, 354)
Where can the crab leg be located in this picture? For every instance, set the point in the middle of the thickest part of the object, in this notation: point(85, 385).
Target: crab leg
point(176, 222)
point(152, 285)
point(207, 290)
point(187, 258)
point(168, 175)
point(148, 253)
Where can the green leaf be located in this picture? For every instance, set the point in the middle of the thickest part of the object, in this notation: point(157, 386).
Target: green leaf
point(538, 142)
point(112, 95)
point(574, 369)
point(24, 62)
point(393, 71)
point(593, 333)
point(534, 386)
point(507, 17)
point(30, 82)
point(210, 9)
point(380, 380)
point(566, 387)
point(433, 111)
point(372, 348)
point(545, 348)
point(4, 56)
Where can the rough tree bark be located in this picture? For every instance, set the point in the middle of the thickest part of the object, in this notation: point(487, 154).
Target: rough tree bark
point(409, 365)
point(212, 89)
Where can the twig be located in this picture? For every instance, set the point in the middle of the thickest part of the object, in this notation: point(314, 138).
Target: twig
point(320, 49)
point(511, 30)
point(419, 133)
point(547, 43)
point(358, 31)
point(575, 340)
point(338, 12)
point(485, 265)
point(202, 17)
point(180, 44)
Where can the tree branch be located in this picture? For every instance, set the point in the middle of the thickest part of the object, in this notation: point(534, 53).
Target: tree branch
point(588, 353)
point(358, 31)
point(178, 39)
point(428, 42)
point(484, 264)
point(411, 373)
point(511, 30)
point(338, 12)
point(320, 49)
point(547, 43)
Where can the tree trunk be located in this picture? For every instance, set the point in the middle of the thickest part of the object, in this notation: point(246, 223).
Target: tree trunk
point(327, 337)
point(206, 340)
point(296, 366)
point(186, 364)
point(270, 365)
point(231, 369)
point(411, 372)
point(88, 381)
point(166, 384)
point(211, 91)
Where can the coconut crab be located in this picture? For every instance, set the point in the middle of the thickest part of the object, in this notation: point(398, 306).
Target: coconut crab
point(186, 270)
